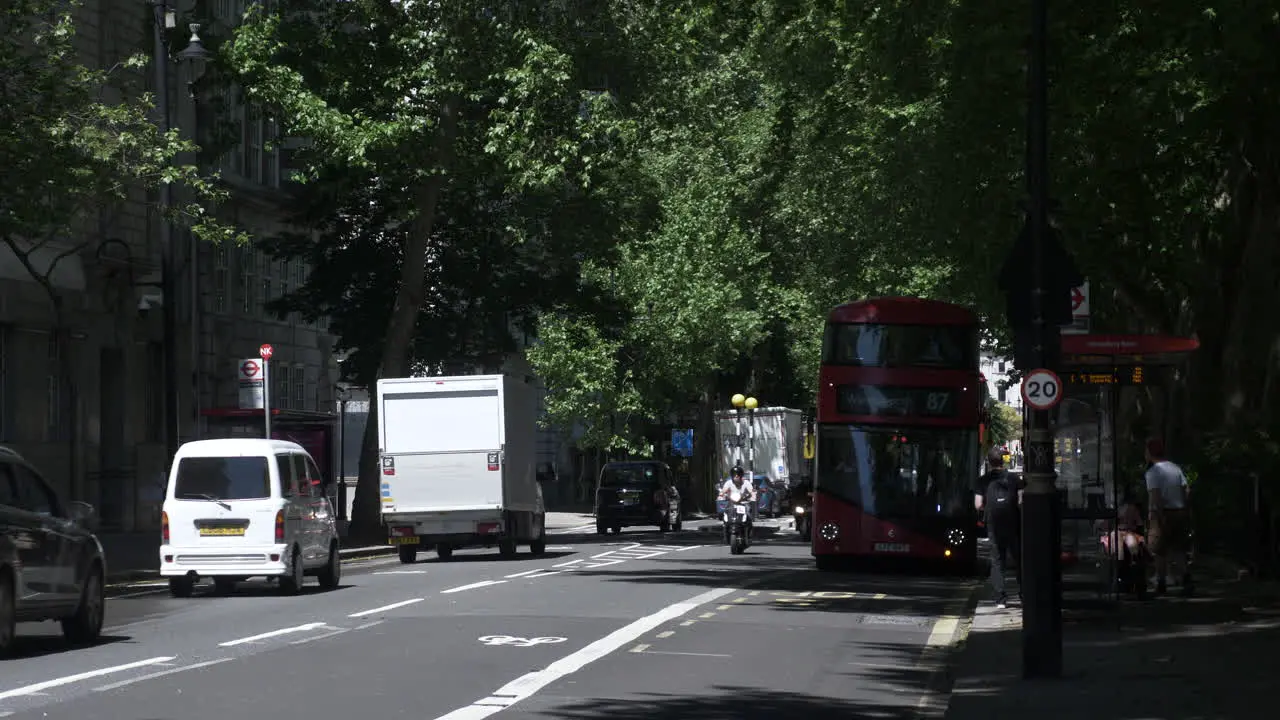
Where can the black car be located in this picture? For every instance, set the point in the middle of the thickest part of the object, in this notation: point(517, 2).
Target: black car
point(51, 564)
point(638, 492)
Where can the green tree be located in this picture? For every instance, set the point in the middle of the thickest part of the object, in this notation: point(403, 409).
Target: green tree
point(422, 100)
point(1005, 423)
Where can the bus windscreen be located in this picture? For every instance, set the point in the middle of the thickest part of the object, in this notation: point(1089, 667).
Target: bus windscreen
point(899, 473)
point(951, 347)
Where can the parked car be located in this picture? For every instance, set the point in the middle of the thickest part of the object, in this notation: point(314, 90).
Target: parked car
point(238, 508)
point(51, 563)
point(637, 492)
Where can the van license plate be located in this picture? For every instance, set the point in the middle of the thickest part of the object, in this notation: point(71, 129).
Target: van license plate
point(892, 547)
point(411, 540)
point(221, 532)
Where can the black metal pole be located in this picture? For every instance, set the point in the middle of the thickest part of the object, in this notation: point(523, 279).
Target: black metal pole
point(168, 301)
point(342, 462)
point(1041, 518)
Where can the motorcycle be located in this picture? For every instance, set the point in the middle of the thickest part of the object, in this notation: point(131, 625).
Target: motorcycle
point(737, 516)
point(804, 522)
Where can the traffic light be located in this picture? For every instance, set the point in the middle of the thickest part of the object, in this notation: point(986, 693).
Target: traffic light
point(1017, 281)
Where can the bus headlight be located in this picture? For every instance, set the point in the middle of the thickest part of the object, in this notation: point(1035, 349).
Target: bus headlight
point(829, 532)
point(955, 537)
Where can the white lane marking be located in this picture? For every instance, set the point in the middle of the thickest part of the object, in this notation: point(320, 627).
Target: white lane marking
point(385, 608)
point(522, 574)
point(639, 648)
point(67, 680)
point(560, 548)
point(496, 640)
point(529, 684)
point(162, 673)
point(472, 586)
point(572, 530)
point(140, 593)
point(943, 630)
point(401, 572)
point(545, 574)
point(567, 564)
point(273, 633)
point(338, 631)
point(686, 654)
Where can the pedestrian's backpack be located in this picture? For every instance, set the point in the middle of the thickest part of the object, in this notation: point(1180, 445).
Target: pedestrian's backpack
point(1002, 495)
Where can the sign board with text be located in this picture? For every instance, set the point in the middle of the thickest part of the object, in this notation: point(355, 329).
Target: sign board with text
point(250, 375)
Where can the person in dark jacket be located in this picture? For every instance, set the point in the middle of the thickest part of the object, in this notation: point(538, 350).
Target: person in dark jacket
point(998, 497)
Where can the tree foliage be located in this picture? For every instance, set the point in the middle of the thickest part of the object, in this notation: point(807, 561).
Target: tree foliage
point(69, 148)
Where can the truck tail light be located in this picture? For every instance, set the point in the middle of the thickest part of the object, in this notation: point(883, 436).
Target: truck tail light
point(164, 528)
point(279, 526)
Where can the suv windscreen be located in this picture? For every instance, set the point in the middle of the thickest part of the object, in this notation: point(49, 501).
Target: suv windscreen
point(629, 476)
point(222, 478)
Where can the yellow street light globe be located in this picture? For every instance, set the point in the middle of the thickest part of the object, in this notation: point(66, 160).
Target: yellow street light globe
point(738, 400)
point(751, 403)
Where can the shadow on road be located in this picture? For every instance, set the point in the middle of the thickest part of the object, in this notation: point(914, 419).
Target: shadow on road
point(251, 589)
point(28, 646)
point(734, 703)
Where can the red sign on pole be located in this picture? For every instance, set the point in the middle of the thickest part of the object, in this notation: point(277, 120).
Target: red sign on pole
point(1077, 299)
point(265, 351)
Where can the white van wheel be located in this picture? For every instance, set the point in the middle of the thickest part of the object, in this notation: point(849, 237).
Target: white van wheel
point(291, 584)
point(181, 587)
point(332, 573)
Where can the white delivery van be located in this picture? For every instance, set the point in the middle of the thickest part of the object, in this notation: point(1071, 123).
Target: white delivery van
point(457, 459)
point(245, 507)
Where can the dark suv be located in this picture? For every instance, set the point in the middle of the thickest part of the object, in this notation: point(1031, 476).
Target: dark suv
point(638, 492)
point(51, 564)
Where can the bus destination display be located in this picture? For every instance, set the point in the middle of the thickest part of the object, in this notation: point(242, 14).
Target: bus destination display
point(1108, 376)
point(888, 401)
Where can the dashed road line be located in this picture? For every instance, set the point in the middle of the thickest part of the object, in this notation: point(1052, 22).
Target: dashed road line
point(385, 608)
point(337, 631)
point(40, 687)
point(472, 586)
point(272, 634)
point(687, 623)
point(160, 674)
point(639, 648)
point(522, 574)
point(704, 616)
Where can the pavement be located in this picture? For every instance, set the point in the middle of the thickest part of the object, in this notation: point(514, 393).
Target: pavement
point(640, 624)
point(1206, 657)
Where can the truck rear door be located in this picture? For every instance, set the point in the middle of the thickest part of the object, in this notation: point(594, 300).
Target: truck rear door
point(441, 443)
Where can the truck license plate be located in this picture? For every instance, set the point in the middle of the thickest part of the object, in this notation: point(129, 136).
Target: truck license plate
point(892, 547)
point(411, 540)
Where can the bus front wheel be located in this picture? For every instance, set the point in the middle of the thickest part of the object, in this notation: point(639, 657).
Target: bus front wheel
point(826, 562)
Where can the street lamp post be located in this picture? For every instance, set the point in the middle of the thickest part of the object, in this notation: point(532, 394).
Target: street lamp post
point(740, 401)
point(163, 18)
point(344, 394)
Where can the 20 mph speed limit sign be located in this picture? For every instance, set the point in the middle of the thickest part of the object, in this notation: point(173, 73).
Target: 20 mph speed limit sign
point(1041, 389)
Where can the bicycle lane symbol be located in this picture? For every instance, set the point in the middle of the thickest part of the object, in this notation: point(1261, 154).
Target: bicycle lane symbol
point(498, 640)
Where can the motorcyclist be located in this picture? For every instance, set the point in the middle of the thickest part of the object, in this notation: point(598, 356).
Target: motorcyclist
point(737, 484)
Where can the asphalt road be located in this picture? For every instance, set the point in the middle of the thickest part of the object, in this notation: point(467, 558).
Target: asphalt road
point(621, 627)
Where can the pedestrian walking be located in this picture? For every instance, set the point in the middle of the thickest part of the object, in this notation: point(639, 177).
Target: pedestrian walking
point(997, 497)
point(1169, 516)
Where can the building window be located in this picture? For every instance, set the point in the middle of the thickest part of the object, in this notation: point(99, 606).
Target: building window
point(299, 400)
point(1002, 393)
point(280, 377)
point(154, 393)
point(4, 382)
point(248, 278)
point(1002, 366)
point(221, 278)
point(268, 266)
point(55, 397)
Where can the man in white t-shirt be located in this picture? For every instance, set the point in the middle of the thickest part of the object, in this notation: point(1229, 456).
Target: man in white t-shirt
point(1168, 517)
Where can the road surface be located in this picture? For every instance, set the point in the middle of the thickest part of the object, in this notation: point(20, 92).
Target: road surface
point(629, 626)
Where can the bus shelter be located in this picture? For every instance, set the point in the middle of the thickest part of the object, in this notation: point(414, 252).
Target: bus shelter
point(1104, 377)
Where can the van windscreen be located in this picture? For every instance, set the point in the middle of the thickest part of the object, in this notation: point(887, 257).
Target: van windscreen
point(222, 478)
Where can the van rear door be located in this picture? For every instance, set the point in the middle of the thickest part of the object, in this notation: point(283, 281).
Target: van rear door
point(223, 501)
point(441, 445)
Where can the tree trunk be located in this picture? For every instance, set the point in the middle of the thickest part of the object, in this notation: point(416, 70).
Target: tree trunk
point(366, 511)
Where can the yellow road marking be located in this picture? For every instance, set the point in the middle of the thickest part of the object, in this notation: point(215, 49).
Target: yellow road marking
point(754, 593)
point(704, 616)
point(666, 633)
point(687, 623)
point(724, 607)
point(740, 600)
point(639, 648)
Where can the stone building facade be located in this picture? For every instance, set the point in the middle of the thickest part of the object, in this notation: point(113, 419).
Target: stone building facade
point(88, 411)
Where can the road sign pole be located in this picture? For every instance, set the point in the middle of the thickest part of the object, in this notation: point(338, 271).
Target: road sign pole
point(1041, 521)
point(266, 397)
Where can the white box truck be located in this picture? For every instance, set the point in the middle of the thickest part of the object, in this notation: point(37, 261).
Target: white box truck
point(457, 464)
point(778, 443)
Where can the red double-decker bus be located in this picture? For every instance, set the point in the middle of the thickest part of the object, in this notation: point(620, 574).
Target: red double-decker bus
point(900, 407)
